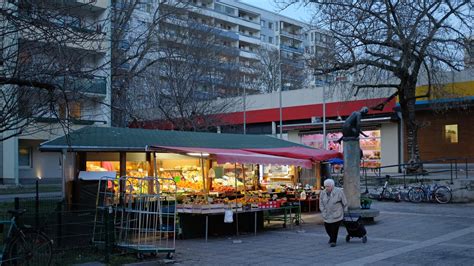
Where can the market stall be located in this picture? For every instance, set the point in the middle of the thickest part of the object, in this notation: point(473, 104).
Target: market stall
point(213, 172)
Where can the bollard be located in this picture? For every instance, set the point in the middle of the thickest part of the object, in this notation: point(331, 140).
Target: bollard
point(37, 205)
point(17, 203)
point(58, 223)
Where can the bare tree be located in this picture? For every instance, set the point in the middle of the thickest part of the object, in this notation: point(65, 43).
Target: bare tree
point(275, 67)
point(193, 69)
point(43, 68)
point(268, 69)
point(135, 47)
point(406, 39)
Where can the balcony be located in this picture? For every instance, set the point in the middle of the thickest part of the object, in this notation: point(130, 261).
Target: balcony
point(292, 48)
point(293, 62)
point(293, 35)
point(216, 31)
point(83, 85)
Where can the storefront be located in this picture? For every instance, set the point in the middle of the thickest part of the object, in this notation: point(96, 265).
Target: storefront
point(211, 171)
point(371, 145)
point(379, 148)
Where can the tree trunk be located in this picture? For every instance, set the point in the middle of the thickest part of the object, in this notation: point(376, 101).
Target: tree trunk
point(407, 105)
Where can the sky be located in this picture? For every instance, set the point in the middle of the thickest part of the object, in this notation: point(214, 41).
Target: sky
point(294, 12)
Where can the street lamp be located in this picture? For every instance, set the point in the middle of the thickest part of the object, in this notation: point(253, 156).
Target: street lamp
point(245, 108)
point(324, 112)
point(325, 144)
point(280, 97)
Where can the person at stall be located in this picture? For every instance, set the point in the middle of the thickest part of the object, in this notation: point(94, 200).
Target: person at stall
point(332, 203)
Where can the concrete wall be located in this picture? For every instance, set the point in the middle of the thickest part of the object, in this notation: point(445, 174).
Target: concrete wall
point(10, 161)
point(46, 165)
point(293, 136)
point(389, 146)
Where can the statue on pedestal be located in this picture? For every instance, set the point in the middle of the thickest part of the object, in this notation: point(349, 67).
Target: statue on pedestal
point(351, 127)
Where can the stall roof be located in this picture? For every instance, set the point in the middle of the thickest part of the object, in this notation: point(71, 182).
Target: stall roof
point(134, 139)
point(239, 156)
point(299, 152)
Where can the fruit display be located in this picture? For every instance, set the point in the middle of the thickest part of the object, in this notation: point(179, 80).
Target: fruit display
point(222, 188)
point(184, 185)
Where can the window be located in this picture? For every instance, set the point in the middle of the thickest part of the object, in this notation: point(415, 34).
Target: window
point(270, 39)
point(451, 133)
point(262, 37)
point(24, 157)
point(73, 112)
point(270, 25)
point(230, 10)
point(262, 22)
point(312, 36)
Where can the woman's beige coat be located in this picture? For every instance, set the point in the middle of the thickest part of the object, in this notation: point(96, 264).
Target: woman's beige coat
point(332, 207)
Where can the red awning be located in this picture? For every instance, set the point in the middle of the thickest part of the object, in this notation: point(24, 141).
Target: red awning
point(300, 152)
point(240, 156)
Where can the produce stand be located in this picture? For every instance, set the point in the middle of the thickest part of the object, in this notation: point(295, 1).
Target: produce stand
point(210, 170)
point(246, 218)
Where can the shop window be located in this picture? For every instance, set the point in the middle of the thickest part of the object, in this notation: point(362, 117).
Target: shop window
point(371, 145)
point(133, 168)
point(24, 157)
point(371, 148)
point(451, 133)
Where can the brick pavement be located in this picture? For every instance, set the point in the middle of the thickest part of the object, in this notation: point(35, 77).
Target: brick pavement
point(405, 233)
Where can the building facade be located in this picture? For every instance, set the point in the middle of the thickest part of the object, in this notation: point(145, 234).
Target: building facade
point(75, 64)
point(447, 117)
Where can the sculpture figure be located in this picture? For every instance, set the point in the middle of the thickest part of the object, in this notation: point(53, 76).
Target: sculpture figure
point(351, 127)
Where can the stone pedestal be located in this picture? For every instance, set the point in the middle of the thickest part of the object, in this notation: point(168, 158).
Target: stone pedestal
point(352, 173)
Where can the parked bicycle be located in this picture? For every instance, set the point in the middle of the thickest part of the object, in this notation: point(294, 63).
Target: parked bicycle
point(389, 193)
point(24, 246)
point(435, 193)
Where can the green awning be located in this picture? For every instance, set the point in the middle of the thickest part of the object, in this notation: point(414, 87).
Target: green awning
point(133, 139)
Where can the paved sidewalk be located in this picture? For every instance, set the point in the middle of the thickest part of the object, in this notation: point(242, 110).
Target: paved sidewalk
point(405, 233)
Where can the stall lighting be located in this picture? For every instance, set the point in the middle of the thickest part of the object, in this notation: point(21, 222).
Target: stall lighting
point(197, 154)
point(39, 177)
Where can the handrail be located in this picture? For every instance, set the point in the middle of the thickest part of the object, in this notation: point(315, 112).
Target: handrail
point(453, 169)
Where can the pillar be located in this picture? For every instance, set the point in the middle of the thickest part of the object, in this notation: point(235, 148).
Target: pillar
point(352, 173)
point(10, 161)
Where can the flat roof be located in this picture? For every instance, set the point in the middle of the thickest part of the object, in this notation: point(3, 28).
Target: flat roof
point(136, 139)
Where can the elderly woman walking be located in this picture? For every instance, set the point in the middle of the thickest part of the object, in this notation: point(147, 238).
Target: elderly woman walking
point(332, 203)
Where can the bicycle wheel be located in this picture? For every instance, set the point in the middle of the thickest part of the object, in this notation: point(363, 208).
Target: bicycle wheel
point(415, 194)
point(442, 194)
point(29, 247)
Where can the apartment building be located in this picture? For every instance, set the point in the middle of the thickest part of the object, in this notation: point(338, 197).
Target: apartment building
point(62, 45)
point(243, 35)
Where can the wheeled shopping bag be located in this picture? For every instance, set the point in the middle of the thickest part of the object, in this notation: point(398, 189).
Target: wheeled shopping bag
point(354, 228)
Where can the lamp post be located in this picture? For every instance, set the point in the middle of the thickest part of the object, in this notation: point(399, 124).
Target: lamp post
point(37, 202)
point(325, 144)
point(280, 97)
point(245, 108)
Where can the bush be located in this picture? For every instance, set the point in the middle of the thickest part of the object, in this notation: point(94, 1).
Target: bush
point(365, 203)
